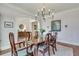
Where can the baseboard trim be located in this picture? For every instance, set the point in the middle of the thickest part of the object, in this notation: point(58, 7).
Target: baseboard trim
point(74, 47)
point(67, 44)
point(5, 51)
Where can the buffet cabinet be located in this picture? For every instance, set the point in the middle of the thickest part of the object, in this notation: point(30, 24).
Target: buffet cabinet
point(25, 35)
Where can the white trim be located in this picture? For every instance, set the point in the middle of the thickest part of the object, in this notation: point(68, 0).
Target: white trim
point(69, 10)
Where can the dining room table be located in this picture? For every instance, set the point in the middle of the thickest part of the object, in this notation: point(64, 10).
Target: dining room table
point(32, 43)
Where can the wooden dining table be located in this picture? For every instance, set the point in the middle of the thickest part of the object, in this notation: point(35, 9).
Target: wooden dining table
point(33, 42)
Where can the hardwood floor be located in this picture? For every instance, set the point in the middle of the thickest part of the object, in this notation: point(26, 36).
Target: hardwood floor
point(75, 48)
point(61, 51)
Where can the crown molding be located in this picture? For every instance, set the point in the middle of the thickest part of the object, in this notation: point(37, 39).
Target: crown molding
point(21, 12)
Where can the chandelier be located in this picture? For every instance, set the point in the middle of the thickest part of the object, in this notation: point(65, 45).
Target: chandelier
point(44, 12)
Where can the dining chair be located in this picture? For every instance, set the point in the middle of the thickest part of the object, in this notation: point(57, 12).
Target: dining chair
point(18, 51)
point(43, 47)
point(55, 38)
point(52, 41)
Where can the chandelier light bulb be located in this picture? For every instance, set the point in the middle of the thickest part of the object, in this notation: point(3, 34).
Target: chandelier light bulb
point(53, 13)
point(42, 9)
point(49, 10)
point(36, 15)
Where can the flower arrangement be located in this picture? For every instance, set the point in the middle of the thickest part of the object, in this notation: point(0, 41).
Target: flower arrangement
point(42, 31)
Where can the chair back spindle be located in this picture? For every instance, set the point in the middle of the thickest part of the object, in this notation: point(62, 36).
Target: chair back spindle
point(12, 43)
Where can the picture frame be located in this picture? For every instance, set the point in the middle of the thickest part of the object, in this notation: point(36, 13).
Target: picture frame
point(8, 24)
point(56, 25)
point(34, 25)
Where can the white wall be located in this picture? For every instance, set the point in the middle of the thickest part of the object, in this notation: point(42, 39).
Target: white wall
point(16, 22)
point(71, 33)
point(25, 21)
point(5, 31)
point(0, 31)
point(15, 16)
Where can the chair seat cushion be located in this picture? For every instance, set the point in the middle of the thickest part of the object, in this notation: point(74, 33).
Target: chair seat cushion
point(24, 52)
point(43, 47)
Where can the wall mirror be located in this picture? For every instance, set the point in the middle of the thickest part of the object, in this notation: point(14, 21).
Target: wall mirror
point(21, 26)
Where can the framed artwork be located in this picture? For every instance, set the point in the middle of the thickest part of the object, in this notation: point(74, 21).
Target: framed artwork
point(8, 24)
point(56, 25)
point(34, 25)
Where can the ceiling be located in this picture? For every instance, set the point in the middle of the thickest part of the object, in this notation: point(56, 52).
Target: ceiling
point(31, 8)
